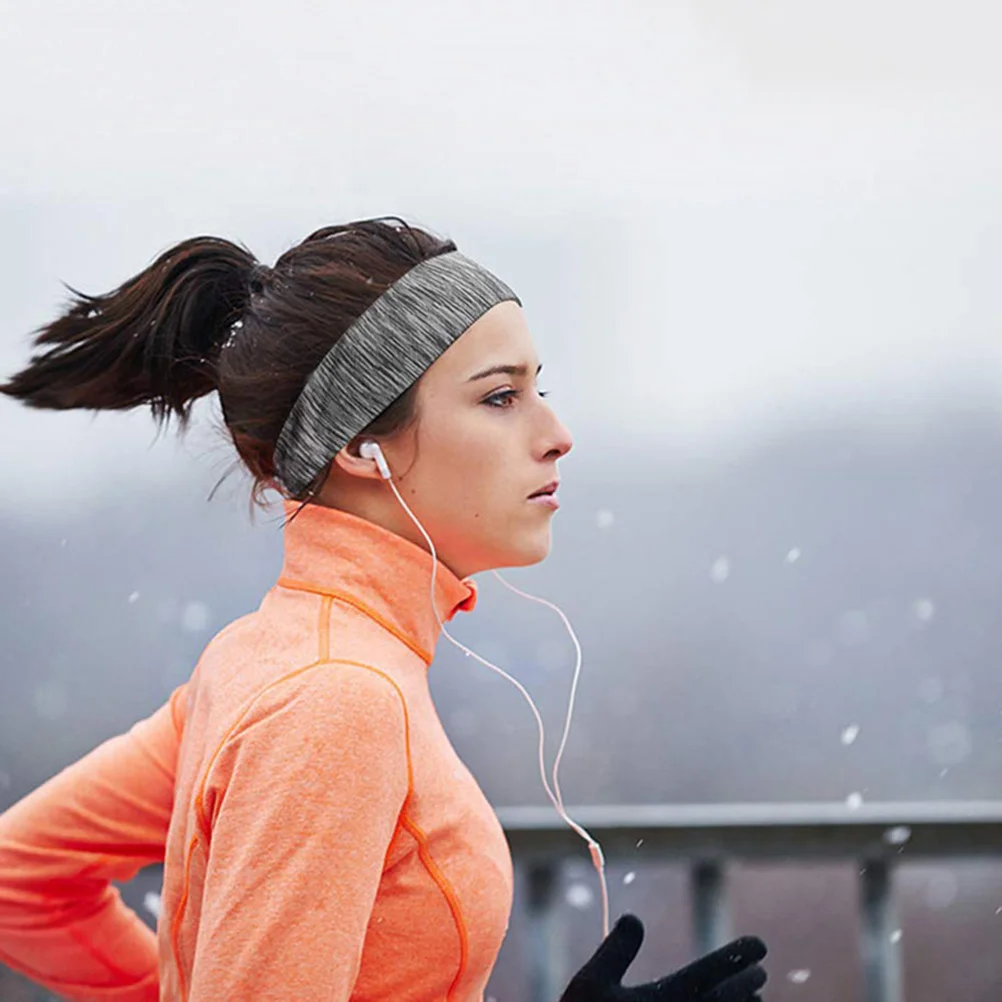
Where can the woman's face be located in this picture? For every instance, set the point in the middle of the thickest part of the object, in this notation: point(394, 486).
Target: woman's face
point(483, 442)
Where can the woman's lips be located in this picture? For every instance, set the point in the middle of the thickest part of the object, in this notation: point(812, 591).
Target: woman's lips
point(546, 501)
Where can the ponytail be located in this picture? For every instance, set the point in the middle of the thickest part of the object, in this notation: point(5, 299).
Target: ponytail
point(154, 340)
point(159, 339)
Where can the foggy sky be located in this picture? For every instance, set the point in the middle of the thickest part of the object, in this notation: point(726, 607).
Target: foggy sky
point(718, 216)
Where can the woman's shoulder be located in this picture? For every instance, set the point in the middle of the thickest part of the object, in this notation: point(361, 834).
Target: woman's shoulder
point(351, 695)
point(313, 730)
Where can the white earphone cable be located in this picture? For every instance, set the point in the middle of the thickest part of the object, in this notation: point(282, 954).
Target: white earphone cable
point(597, 857)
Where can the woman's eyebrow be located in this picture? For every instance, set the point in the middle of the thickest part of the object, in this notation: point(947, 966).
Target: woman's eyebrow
point(506, 370)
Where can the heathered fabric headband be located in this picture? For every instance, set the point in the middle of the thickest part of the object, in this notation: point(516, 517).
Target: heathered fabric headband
point(383, 353)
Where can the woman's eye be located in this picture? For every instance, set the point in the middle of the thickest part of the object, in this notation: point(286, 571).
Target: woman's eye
point(501, 399)
point(505, 398)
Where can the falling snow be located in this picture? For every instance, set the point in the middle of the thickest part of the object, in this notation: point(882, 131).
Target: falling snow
point(630, 877)
point(799, 977)
point(133, 597)
point(849, 734)
point(721, 569)
point(153, 904)
point(793, 556)
point(896, 936)
point(604, 518)
point(854, 801)
point(195, 616)
point(897, 835)
point(579, 895)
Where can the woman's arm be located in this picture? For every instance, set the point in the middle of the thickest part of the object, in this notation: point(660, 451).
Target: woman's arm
point(103, 818)
point(301, 805)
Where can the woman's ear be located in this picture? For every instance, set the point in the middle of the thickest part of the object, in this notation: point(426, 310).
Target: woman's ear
point(353, 464)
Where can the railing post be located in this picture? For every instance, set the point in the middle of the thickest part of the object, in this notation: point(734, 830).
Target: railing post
point(548, 973)
point(710, 918)
point(880, 949)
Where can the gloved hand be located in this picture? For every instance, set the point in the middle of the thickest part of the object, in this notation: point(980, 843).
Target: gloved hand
point(730, 974)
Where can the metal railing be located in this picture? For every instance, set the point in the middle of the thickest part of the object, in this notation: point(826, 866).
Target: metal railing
point(707, 837)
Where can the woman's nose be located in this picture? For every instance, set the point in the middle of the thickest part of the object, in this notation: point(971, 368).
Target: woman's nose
point(558, 440)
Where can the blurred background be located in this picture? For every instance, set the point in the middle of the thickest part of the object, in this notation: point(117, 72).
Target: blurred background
point(759, 246)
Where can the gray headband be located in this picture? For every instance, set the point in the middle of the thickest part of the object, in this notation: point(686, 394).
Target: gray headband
point(383, 353)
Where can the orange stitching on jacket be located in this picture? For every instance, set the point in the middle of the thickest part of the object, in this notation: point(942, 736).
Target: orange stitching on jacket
point(324, 628)
point(424, 655)
point(448, 893)
point(175, 933)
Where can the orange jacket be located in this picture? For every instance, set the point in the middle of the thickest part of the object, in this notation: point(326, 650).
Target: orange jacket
point(320, 837)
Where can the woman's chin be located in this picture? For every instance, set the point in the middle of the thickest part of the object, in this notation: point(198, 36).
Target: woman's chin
point(532, 550)
point(524, 551)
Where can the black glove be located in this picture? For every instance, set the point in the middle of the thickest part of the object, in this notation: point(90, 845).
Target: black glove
point(730, 974)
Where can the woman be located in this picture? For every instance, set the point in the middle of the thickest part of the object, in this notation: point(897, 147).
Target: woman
point(320, 837)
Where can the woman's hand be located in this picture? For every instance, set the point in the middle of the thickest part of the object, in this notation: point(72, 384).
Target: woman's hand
point(730, 974)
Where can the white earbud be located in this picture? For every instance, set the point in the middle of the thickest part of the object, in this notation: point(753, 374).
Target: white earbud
point(370, 450)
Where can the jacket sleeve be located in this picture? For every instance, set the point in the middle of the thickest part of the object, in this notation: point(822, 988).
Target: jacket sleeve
point(302, 805)
point(103, 818)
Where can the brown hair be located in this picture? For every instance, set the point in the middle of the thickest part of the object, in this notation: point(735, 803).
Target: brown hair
point(206, 316)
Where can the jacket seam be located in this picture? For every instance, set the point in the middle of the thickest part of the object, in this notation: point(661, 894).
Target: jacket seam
point(350, 600)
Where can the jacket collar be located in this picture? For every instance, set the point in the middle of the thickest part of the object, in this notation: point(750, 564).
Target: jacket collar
point(387, 577)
